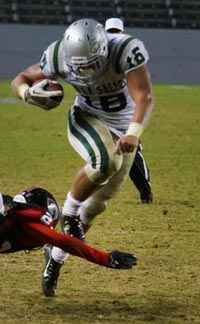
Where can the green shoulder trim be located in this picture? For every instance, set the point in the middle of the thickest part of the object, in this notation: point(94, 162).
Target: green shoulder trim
point(119, 54)
point(55, 57)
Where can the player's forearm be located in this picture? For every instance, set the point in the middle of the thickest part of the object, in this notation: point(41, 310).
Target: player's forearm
point(16, 85)
point(41, 234)
point(82, 250)
point(140, 89)
point(141, 118)
point(25, 79)
point(143, 109)
point(36, 234)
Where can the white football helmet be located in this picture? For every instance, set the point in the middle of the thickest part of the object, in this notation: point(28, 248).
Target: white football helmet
point(85, 49)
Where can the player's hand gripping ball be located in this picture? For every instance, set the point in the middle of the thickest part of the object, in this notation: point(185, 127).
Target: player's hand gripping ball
point(46, 94)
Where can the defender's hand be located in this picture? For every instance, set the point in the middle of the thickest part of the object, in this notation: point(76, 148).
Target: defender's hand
point(122, 260)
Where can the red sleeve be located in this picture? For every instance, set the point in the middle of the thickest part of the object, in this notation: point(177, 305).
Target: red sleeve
point(41, 234)
point(28, 213)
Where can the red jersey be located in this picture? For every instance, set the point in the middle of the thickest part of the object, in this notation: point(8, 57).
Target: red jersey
point(23, 229)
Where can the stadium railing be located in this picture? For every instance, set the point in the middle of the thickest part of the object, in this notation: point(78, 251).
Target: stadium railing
point(154, 13)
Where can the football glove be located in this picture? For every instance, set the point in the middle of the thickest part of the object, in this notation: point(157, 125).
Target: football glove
point(122, 260)
point(38, 96)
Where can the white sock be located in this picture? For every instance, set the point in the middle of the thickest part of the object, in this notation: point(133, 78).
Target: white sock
point(59, 255)
point(71, 206)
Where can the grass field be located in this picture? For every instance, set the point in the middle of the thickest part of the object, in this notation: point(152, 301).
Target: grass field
point(165, 286)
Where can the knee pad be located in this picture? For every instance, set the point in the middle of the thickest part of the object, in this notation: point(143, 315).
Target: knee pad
point(91, 208)
point(101, 177)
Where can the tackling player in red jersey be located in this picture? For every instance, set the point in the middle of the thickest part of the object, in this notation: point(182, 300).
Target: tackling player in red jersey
point(28, 221)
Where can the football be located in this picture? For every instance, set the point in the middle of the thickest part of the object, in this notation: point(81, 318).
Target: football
point(45, 102)
point(55, 87)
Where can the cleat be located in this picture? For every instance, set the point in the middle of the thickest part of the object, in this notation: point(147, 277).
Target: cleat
point(51, 273)
point(122, 260)
point(146, 197)
point(72, 225)
point(47, 253)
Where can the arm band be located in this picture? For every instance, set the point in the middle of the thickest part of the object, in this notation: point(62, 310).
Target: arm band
point(135, 129)
point(22, 89)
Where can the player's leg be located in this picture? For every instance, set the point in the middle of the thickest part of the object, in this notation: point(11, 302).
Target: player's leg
point(52, 269)
point(93, 206)
point(139, 174)
point(94, 143)
point(96, 204)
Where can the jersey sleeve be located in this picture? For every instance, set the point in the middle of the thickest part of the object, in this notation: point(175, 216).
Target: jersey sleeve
point(40, 234)
point(26, 213)
point(131, 55)
point(51, 63)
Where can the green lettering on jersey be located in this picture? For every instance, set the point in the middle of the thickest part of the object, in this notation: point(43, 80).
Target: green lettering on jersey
point(119, 54)
point(55, 57)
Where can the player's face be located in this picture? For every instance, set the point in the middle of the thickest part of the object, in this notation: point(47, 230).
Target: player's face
point(87, 70)
point(90, 70)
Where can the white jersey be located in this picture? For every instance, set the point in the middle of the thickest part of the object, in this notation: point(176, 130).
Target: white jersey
point(106, 97)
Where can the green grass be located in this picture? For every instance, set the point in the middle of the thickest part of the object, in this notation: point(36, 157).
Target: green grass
point(165, 286)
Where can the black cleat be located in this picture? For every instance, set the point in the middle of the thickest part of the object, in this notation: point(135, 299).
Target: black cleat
point(122, 260)
point(146, 197)
point(51, 273)
point(72, 225)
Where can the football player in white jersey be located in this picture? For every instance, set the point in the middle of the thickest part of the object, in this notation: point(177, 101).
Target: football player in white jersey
point(139, 171)
point(111, 110)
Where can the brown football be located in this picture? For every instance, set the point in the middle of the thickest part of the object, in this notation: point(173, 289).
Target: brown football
point(48, 103)
point(55, 87)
